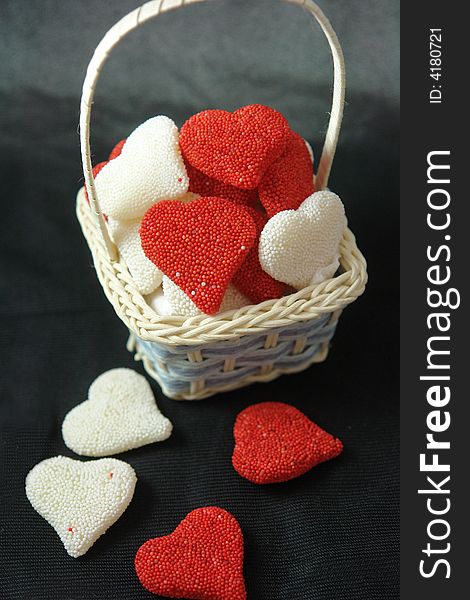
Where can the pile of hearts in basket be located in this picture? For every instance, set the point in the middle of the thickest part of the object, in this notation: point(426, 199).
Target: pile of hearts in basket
point(220, 215)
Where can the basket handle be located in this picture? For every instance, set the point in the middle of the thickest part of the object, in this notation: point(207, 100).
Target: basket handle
point(152, 9)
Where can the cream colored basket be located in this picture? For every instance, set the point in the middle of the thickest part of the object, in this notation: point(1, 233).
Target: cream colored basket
point(196, 357)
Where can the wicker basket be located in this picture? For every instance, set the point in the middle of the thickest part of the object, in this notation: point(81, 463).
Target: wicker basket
point(196, 357)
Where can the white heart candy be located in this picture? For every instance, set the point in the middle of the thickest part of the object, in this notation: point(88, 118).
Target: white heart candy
point(120, 414)
point(81, 500)
point(126, 236)
point(171, 300)
point(159, 303)
point(180, 304)
point(150, 168)
point(301, 247)
point(233, 299)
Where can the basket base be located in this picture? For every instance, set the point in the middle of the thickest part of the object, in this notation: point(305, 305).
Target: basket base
point(264, 373)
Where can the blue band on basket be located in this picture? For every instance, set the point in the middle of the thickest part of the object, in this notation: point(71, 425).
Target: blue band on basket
point(247, 357)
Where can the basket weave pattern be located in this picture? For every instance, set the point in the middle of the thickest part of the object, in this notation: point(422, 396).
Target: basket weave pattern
point(228, 365)
point(196, 357)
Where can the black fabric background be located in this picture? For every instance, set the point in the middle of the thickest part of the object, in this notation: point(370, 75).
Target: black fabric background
point(330, 535)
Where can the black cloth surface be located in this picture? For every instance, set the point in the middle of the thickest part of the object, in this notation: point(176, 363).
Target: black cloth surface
point(329, 535)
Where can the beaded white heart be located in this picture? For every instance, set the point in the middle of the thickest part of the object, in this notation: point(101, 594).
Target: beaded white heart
point(120, 414)
point(126, 236)
point(171, 300)
point(301, 247)
point(81, 500)
point(150, 168)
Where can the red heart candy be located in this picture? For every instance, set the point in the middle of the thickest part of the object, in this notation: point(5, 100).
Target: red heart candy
point(250, 279)
point(276, 442)
point(116, 151)
point(199, 245)
point(289, 180)
point(201, 560)
point(206, 186)
point(235, 148)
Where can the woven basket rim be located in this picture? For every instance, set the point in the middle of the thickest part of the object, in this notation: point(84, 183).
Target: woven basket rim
point(131, 307)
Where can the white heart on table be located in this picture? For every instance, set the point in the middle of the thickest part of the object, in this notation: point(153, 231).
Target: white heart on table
point(120, 414)
point(301, 247)
point(81, 500)
point(150, 168)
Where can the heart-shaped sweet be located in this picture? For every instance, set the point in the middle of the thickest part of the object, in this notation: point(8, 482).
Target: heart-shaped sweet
point(203, 185)
point(81, 500)
point(171, 300)
point(201, 560)
point(301, 247)
point(235, 148)
point(289, 180)
point(250, 279)
point(233, 299)
point(120, 414)
point(148, 169)
point(159, 303)
point(275, 442)
point(116, 151)
point(126, 236)
point(199, 246)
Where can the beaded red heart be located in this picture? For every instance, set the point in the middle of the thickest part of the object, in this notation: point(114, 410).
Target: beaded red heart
point(199, 245)
point(201, 184)
point(116, 151)
point(201, 560)
point(250, 279)
point(235, 148)
point(276, 442)
point(289, 180)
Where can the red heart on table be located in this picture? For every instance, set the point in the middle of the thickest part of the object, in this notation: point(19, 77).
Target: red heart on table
point(275, 442)
point(289, 180)
point(201, 184)
point(199, 245)
point(237, 147)
point(201, 560)
point(250, 279)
